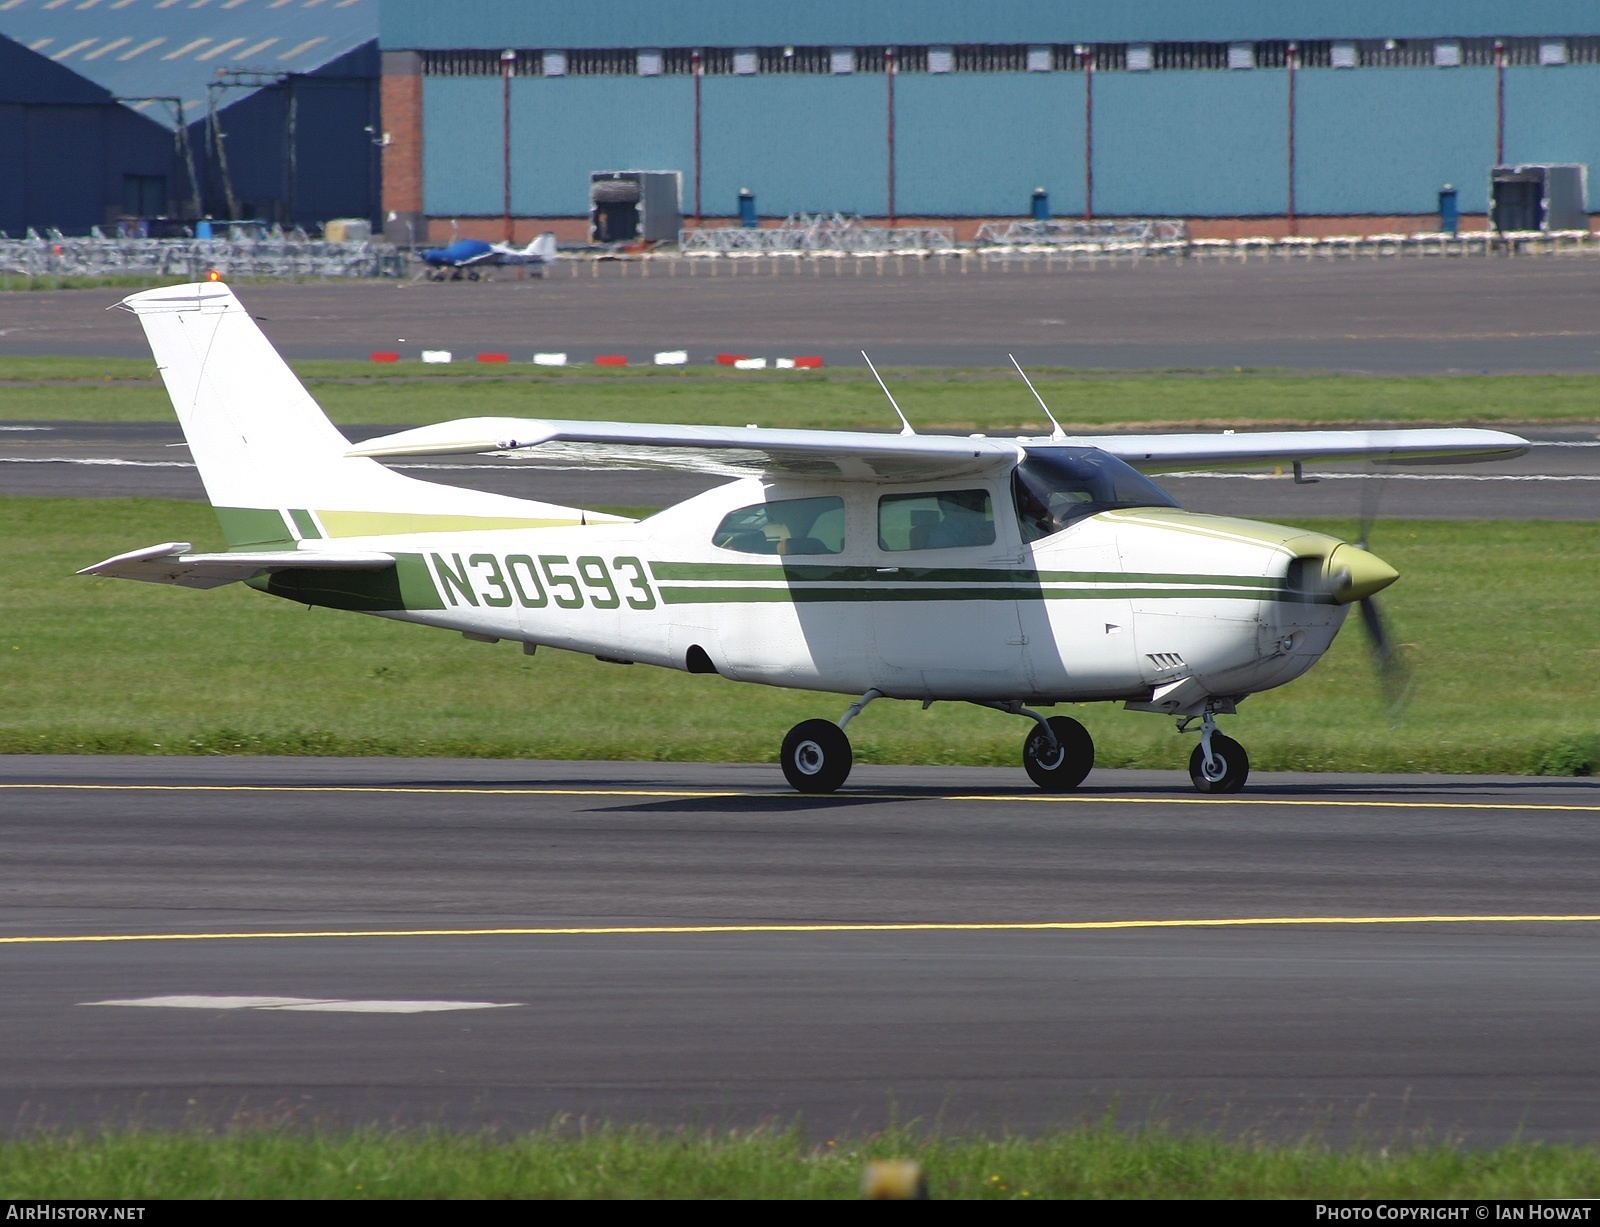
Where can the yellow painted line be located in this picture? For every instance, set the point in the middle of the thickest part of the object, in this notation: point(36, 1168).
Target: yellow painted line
point(1044, 926)
point(379, 788)
point(1036, 798)
point(1305, 801)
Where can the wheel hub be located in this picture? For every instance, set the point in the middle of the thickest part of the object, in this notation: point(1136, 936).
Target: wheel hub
point(808, 757)
point(1042, 752)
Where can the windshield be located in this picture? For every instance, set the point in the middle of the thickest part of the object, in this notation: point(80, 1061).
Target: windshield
point(1058, 486)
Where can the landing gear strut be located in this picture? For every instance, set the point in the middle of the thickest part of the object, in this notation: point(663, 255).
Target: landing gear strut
point(1219, 763)
point(1058, 752)
point(816, 755)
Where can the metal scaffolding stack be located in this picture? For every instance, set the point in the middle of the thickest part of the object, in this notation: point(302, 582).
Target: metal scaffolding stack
point(275, 254)
point(1128, 232)
point(819, 234)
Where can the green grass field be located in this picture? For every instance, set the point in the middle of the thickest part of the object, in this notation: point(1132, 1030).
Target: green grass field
point(411, 393)
point(1092, 1162)
point(1497, 621)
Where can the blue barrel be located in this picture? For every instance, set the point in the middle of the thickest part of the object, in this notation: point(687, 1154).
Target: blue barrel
point(747, 209)
point(1041, 205)
point(1449, 211)
point(202, 229)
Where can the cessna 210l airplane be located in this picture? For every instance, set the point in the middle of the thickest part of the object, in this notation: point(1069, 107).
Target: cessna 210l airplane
point(1012, 573)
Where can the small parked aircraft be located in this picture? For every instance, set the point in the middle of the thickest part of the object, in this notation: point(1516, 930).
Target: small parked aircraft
point(1011, 573)
point(465, 257)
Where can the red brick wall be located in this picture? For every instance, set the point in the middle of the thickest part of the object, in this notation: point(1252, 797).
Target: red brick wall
point(400, 97)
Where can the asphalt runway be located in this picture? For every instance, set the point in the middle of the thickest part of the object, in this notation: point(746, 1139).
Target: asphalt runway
point(1558, 480)
point(1503, 314)
point(471, 942)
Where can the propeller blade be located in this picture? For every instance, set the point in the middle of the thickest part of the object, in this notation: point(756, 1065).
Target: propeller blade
point(1392, 671)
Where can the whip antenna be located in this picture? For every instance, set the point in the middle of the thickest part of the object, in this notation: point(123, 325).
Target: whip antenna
point(1058, 432)
point(905, 426)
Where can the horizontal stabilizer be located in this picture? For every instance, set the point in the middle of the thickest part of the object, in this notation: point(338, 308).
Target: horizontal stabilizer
point(1166, 453)
point(172, 563)
point(836, 455)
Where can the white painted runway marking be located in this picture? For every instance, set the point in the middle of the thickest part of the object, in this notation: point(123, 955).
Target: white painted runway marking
point(398, 1007)
point(325, 1005)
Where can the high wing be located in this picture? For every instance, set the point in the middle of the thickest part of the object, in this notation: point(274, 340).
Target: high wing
point(1166, 453)
point(540, 251)
point(171, 563)
point(838, 455)
point(866, 456)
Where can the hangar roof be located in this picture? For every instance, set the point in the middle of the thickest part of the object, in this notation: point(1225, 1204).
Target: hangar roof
point(173, 48)
point(431, 25)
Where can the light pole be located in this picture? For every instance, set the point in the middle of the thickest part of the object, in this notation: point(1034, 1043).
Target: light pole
point(1499, 103)
point(696, 69)
point(1086, 55)
point(1290, 61)
point(508, 65)
point(888, 72)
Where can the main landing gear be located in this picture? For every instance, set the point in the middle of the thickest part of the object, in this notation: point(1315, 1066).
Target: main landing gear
point(816, 754)
point(1057, 753)
point(1219, 763)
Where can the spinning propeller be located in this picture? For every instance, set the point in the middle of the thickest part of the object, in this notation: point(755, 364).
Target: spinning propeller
point(1392, 672)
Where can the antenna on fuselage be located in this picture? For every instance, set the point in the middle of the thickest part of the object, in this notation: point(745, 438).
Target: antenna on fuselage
point(905, 426)
point(1058, 432)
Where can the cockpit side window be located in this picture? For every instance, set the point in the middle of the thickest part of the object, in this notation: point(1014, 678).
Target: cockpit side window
point(936, 520)
point(1058, 486)
point(784, 526)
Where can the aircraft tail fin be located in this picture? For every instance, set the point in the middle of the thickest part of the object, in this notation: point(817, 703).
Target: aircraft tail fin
point(544, 245)
point(275, 468)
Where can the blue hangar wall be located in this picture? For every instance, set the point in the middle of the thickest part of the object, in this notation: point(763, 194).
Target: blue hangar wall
point(1183, 143)
point(333, 170)
point(69, 153)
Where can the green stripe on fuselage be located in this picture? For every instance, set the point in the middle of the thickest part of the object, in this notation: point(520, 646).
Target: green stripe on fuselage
point(702, 595)
point(406, 585)
point(822, 573)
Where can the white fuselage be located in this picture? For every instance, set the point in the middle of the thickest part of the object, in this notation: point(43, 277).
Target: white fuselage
point(1117, 606)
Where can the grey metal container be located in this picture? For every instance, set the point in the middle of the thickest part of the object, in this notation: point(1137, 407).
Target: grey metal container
point(629, 205)
point(1541, 196)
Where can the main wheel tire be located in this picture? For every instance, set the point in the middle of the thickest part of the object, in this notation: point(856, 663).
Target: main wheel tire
point(1063, 766)
point(1230, 766)
point(816, 756)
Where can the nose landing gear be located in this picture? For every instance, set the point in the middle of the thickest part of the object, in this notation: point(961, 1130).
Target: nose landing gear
point(1219, 763)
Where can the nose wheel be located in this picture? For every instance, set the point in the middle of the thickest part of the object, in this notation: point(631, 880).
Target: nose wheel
point(1227, 769)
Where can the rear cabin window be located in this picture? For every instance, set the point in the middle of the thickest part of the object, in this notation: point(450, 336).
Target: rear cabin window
point(786, 527)
point(937, 520)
